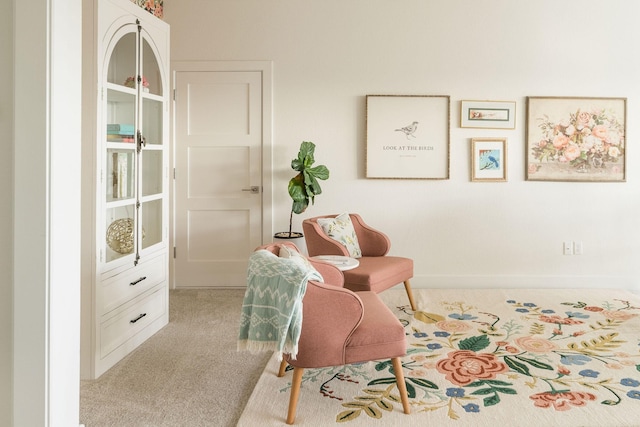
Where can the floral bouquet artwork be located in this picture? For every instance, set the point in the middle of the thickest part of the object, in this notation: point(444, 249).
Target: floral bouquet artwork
point(576, 139)
point(155, 7)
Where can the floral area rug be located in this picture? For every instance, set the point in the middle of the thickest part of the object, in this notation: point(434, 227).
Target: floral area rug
point(483, 358)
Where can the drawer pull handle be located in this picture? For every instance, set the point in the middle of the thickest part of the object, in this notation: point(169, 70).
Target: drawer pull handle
point(138, 318)
point(137, 281)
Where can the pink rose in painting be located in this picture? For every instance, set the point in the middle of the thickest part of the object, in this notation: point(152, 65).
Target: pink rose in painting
point(600, 131)
point(560, 141)
point(562, 401)
point(583, 119)
point(542, 143)
point(535, 345)
point(572, 152)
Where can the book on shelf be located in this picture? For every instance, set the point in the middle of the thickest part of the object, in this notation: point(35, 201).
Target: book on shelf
point(120, 129)
point(120, 172)
point(120, 138)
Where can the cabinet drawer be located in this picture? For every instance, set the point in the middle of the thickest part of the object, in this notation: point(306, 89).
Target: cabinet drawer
point(117, 330)
point(130, 283)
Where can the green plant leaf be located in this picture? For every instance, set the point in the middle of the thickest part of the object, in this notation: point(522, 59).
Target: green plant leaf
point(304, 186)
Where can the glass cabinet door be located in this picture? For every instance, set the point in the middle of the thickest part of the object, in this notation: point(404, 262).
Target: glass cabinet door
point(152, 155)
point(120, 161)
point(134, 155)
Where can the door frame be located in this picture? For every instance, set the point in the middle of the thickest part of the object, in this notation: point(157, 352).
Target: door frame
point(266, 70)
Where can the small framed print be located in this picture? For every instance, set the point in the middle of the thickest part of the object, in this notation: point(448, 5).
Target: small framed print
point(489, 159)
point(488, 114)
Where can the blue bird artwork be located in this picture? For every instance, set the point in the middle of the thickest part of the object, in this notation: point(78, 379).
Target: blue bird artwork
point(489, 159)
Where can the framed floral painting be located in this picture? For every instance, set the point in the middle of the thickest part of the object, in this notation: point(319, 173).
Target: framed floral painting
point(576, 139)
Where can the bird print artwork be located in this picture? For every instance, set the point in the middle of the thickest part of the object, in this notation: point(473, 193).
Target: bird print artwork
point(409, 130)
point(489, 159)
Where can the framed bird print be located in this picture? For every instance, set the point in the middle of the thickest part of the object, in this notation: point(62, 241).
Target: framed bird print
point(408, 136)
point(489, 159)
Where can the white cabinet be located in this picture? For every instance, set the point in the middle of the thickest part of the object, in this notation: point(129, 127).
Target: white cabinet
point(125, 181)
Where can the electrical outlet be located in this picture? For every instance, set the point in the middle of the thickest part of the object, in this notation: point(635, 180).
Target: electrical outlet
point(577, 248)
point(567, 248)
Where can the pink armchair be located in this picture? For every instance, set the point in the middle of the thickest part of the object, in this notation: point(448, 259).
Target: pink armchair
point(341, 327)
point(377, 271)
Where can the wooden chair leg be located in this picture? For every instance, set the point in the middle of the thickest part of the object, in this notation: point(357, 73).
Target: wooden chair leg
point(283, 368)
point(296, 382)
point(402, 386)
point(407, 287)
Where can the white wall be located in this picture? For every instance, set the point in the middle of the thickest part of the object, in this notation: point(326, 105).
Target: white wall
point(329, 54)
point(6, 211)
point(44, 213)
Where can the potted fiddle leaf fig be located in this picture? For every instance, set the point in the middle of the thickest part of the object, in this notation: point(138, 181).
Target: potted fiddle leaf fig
point(304, 186)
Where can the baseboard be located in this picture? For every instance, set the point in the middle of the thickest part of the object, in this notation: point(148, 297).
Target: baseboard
point(537, 282)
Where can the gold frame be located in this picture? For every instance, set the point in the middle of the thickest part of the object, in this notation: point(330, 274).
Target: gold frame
point(496, 168)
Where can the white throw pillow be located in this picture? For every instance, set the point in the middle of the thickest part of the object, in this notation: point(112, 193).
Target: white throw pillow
point(341, 230)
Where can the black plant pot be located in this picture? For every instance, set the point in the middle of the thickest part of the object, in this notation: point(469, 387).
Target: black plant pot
point(286, 235)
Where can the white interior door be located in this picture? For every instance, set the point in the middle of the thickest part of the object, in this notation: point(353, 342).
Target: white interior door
point(218, 176)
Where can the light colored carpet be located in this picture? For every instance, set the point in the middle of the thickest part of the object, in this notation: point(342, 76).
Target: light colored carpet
point(483, 358)
point(188, 374)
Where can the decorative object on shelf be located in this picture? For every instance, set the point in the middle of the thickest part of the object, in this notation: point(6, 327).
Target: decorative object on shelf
point(120, 235)
point(304, 186)
point(131, 82)
point(488, 114)
point(489, 159)
point(408, 136)
point(576, 139)
point(155, 7)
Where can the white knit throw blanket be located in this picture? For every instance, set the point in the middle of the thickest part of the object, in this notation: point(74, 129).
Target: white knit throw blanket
point(272, 308)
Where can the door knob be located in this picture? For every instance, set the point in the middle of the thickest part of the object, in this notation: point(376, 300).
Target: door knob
point(254, 189)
